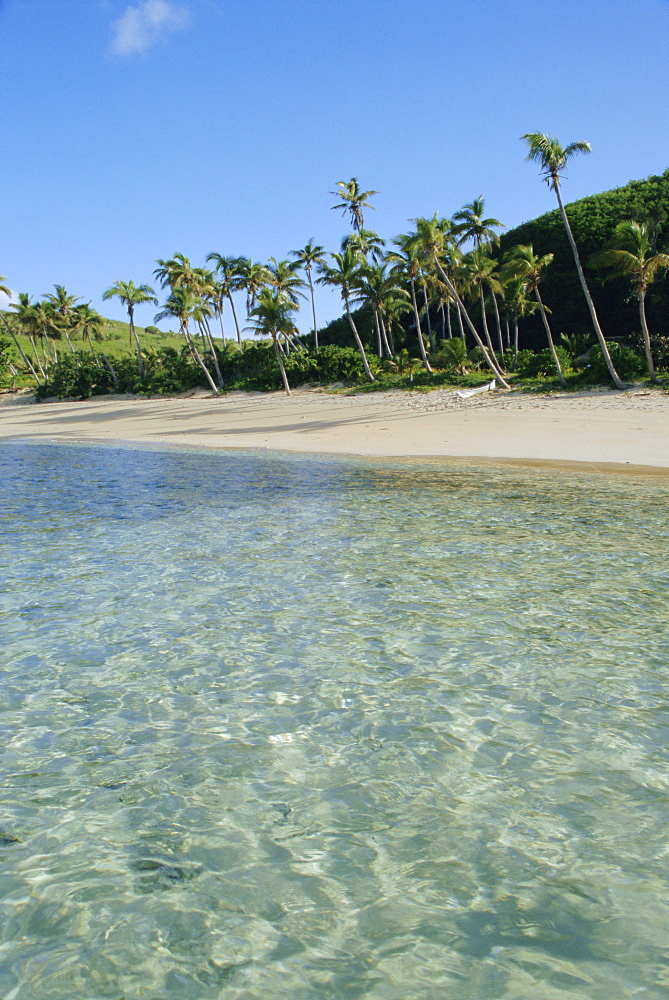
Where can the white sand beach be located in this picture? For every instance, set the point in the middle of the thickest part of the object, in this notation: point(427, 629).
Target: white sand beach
point(600, 429)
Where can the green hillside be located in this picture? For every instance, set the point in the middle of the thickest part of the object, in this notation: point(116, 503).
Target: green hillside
point(593, 220)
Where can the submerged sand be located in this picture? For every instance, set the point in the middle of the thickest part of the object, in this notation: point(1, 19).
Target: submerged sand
point(602, 429)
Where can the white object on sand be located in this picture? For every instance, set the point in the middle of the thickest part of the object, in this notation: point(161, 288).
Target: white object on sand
point(466, 393)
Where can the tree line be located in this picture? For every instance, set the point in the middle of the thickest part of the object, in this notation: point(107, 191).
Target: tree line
point(447, 284)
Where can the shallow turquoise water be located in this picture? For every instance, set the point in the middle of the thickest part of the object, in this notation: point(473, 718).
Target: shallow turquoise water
point(281, 727)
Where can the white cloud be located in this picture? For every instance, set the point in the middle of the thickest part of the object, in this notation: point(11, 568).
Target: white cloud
point(4, 301)
point(143, 24)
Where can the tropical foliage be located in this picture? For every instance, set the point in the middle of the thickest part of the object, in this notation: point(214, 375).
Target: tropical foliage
point(447, 299)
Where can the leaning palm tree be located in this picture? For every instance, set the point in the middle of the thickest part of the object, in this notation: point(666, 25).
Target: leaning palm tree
point(353, 200)
point(553, 159)
point(271, 318)
point(433, 240)
point(183, 304)
point(228, 270)
point(131, 295)
point(307, 257)
point(88, 323)
point(522, 263)
point(630, 254)
point(345, 274)
point(406, 262)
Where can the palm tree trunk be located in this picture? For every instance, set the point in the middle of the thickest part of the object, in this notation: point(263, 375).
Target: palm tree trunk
point(515, 341)
point(498, 322)
point(550, 337)
point(133, 333)
point(507, 334)
point(617, 381)
point(365, 362)
point(485, 320)
point(419, 333)
point(646, 334)
point(384, 336)
point(25, 357)
point(111, 369)
point(195, 354)
point(234, 316)
point(219, 377)
point(490, 360)
point(280, 360)
point(427, 314)
point(313, 307)
point(36, 353)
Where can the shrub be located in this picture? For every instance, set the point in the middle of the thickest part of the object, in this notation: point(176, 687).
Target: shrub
point(530, 365)
point(626, 361)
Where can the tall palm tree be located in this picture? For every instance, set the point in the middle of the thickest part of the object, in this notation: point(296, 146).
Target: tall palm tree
point(345, 275)
point(406, 261)
point(366, 244)
point(553, 160)
point(433, 239)
point(132, 295)
point(521, 262)
point(25, 318)
point(630, 253)
point(251, 277)
point(480, 270)
point(183, 304)
point(353, 199)
point(271, 318)
point(228, 270)
point(517, 306)
point(375, 287)
point(311, 254)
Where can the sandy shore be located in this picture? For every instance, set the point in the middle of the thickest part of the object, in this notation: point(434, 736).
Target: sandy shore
point(600, 429)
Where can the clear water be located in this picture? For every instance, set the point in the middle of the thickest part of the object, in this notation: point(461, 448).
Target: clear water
point(280, 727)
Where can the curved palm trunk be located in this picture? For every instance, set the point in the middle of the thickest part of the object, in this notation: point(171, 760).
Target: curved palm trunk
point(36, 353)
point(384, 336)
point(25, 357)
point(646, 334)
point(133, 333)
point(234, 316)
point(549, 336)
point(490, 360)
point(195, 354)
point(365, 362)
point(617, 381)
point(110, 369)
point(313, 307)
point(485, 320)
point(427, 315)
point(498, 322)
point(280, 360)
point(419, 332)
point(207, 328)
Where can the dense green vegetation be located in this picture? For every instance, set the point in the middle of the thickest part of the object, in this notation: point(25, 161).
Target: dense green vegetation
point(593, 221)
point(579, 295)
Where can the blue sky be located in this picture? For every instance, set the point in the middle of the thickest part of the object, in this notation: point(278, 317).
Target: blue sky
point(134, 130)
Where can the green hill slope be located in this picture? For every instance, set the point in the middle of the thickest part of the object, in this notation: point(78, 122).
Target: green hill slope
point(593, 219)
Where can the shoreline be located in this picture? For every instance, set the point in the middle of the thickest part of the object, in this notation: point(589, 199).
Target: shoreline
point(595, 431)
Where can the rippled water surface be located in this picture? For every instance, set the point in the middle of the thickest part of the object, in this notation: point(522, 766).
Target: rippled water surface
point(281, 727)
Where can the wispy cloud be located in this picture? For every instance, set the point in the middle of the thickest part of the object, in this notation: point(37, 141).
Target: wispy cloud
point(143, 24)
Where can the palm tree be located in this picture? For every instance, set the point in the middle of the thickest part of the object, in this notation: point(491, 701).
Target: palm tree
point(433, 238)
point(345, 275)
point(183, 304)
point(521, 262)
point(376, 287)
point(365, 243)
point(131, 295)
point(25, 319)
point(630, 253)
point(406, 261)
point(271, 319)
point(479, 269)
point(88, 323)
point(470, 224)
point(307, 257)
point(553, 159)
point(517, 306)
point(228, 270)
point(251, 277)
point(353, 200)
point(62, 305)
